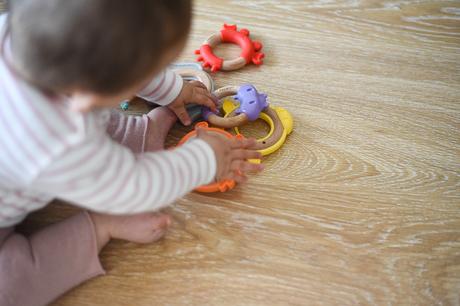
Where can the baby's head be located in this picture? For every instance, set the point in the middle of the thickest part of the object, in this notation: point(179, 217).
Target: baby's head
point(100, 51)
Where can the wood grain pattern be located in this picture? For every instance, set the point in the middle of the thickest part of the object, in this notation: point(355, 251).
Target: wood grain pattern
point(362, 204)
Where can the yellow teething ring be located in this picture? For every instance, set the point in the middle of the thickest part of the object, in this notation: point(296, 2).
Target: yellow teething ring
point(279, 120)
point(270, 123)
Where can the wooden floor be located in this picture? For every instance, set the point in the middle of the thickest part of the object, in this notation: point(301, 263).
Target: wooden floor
point(362, 204)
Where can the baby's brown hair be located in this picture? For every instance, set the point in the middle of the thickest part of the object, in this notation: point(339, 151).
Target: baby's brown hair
point(102, 46)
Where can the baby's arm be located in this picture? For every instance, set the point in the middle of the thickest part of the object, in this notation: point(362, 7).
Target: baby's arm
point(163, 89)
point(104, 176)
point(129, 130)
point(169, 89)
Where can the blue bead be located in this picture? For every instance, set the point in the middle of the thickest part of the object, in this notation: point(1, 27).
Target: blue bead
point(124, 105)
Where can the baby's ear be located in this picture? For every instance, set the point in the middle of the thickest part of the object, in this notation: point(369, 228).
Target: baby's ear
point(83, 102)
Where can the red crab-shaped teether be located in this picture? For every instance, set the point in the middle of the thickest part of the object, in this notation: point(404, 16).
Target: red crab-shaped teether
point(250, 50)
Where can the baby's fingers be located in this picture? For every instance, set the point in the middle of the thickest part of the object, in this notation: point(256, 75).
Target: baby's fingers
point(182, 114)
point(240, 178)
point(243, 154)
point(201, 88)
point(243, 143)
point(204, 99)
point(240, 167)
point(237, 176)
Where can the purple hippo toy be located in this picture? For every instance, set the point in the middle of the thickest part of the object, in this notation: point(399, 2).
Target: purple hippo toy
point(252, 103)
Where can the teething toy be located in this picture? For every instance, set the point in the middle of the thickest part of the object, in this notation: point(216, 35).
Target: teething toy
point(250, 50)
point(189, 72)
point(192, 65)
point(193, 71)
point(250, 101)
point(194, 111)
point(221, 186)
point(279, 120)
point(252, 105)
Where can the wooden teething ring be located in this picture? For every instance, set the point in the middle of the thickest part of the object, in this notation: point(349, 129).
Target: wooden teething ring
point(199, 75)
point(227, 122)
point(250, 50)
point(233, 120)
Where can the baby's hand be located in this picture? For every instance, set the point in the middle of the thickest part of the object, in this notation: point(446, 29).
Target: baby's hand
point(192, 92)
point(232, 156)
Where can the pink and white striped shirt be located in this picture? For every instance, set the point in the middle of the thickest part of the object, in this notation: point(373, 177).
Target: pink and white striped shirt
point(47, 151)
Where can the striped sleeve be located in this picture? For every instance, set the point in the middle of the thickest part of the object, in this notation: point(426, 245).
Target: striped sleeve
point(104, 176)
point(163, 89)
point(128, 130)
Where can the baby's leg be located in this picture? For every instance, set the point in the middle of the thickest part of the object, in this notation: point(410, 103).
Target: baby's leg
point(142, 133)
point(37, 269)
point(161, 120)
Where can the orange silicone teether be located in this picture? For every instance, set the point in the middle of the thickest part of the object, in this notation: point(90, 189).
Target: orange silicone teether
point(221, 186)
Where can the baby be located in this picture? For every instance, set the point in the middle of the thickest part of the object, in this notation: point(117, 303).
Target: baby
point(63, 66)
